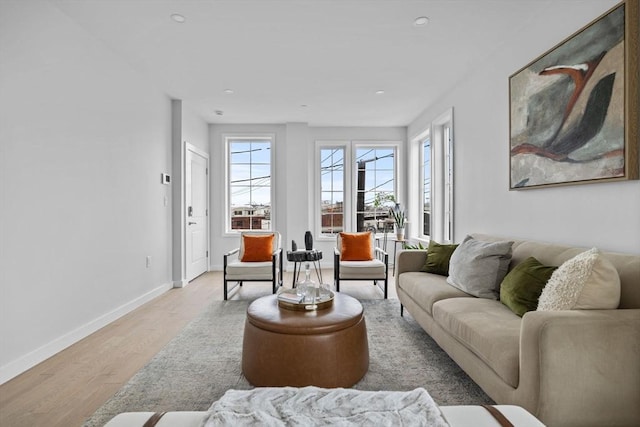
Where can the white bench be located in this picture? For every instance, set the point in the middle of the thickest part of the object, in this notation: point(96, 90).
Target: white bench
point(457, 416)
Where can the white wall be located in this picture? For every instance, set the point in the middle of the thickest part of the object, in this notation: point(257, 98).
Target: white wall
point(186, 128)
point(294, 182)
point(83, 142)
point(606, 215)
point(195, 130)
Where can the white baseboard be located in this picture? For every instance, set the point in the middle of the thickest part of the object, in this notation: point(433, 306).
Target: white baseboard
point(180, 283)
point(29, 360)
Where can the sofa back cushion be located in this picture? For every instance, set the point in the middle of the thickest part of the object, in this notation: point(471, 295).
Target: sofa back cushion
point(627, 265)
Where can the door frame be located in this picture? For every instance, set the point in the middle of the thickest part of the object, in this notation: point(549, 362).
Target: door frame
point(179, 211)
point(185, 219)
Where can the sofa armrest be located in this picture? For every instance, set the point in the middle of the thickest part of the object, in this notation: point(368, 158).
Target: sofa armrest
point(583, 364)
point(410, 260)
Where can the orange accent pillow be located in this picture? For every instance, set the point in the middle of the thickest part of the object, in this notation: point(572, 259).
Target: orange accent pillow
point(257, 248)
point(356, 246)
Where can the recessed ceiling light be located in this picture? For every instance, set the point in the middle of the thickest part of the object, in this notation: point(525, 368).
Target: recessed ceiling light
point(379, 92)
point(178, 18)
point(229, 91)
point(421, 21)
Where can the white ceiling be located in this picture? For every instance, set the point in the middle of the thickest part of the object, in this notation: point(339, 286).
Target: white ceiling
point(331, 55)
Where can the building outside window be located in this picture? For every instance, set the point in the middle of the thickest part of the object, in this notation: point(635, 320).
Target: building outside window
point(249, 183)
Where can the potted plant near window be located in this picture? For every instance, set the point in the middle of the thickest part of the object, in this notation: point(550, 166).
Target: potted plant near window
point(399, 219)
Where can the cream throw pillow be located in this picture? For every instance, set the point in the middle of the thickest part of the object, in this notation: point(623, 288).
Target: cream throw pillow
point(586, 281)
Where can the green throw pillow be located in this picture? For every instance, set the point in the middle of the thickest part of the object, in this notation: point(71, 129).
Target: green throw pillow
point(523, 285)
point(438, 257)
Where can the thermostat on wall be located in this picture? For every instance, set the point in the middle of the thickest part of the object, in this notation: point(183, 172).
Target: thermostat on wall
point(166, 179)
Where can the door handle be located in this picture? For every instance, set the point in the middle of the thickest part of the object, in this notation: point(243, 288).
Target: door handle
point(192, 223)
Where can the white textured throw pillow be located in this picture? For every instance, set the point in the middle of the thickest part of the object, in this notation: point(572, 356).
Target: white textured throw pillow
point(586, 281)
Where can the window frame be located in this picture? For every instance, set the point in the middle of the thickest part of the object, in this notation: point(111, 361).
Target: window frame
point(397, 185)
point(227, 139)
point(420, 140)
point(441, 226)
point(350, 172)
point(346, 200)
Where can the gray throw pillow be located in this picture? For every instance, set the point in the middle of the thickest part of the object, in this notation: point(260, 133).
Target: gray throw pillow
point(478, 267)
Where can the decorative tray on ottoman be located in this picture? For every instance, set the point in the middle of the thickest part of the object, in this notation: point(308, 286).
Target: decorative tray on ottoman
point(291, 301)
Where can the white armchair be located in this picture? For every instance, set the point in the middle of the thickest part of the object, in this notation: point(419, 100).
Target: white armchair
point(356, 257)
point(258, 259)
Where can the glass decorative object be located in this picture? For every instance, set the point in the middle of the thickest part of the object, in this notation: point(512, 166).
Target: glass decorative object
point(307, 288)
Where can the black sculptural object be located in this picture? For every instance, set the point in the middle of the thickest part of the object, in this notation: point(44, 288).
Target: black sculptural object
point(308, 241)
point(294, 246)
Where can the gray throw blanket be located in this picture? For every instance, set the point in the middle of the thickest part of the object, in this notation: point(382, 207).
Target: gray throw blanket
point(313, 406)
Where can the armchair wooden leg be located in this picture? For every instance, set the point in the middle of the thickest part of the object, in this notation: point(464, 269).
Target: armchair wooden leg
point(401, 310)
point(224, 278)
point(281, 270)
point(274, 276)
point(386, 280)
point(336, 272)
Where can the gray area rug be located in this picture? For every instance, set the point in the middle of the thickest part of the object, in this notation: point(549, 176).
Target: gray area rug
point(204, 360)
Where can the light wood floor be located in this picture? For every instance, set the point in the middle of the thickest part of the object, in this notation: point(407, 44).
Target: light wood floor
point(67, 388)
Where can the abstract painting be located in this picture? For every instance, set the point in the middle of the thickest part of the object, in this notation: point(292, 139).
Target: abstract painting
point(573, 117)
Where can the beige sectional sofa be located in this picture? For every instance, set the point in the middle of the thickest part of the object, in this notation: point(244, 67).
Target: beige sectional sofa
point(569, 368)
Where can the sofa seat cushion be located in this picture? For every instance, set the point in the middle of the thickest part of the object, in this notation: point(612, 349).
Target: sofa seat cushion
point(487, 328)
point(426, 289)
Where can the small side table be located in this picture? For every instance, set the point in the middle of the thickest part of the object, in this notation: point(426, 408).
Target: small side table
point(403, 243)
point(298, 257)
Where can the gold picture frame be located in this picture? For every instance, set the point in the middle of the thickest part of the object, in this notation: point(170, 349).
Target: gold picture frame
point(573, 111)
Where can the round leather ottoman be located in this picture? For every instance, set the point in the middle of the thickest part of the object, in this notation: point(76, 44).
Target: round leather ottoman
point(325, 348)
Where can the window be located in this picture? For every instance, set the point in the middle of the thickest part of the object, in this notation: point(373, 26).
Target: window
point(375, 187)
point(249, 183)
point(447, 206)
point(426, 186)
point(436, 179)
point(355, 195)
point(331, 190)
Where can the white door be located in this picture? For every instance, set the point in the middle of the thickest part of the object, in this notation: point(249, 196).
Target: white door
point(197, 218)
